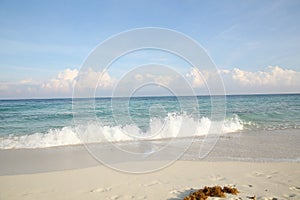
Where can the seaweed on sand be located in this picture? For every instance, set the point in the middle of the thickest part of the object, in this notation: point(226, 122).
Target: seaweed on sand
point(216, 191)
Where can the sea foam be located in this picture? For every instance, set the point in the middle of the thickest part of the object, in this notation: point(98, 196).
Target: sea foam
point(95, 133)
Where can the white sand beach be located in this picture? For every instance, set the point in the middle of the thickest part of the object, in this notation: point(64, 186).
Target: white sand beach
point(258, 164)
point(263, 180)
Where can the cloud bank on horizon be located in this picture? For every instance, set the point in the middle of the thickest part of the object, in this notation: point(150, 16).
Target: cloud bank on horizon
point(273, 79)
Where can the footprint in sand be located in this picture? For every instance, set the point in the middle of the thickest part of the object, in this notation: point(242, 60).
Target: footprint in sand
point(257, 174)
point(248, 186)
point(127, 197)
point(174, 192)
point(115, 197)
point(151, 184)
point(141, 197)
point(290, 196)
point(217, 178)
point(274, 172)
point(295, 188)
point(268, 176)
point(101, 190)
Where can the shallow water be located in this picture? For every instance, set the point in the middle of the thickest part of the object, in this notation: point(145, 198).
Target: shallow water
point(50, 122)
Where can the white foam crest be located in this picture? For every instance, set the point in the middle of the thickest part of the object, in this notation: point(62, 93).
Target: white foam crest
point(233, 124)
point(54, 137)
point(174, 125)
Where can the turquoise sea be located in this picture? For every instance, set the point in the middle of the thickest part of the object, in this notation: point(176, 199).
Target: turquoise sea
point(40, 123)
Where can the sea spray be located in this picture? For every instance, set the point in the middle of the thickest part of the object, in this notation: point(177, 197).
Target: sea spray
point(94, 133)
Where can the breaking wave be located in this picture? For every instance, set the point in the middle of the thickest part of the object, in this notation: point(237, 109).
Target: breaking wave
point(173, 126)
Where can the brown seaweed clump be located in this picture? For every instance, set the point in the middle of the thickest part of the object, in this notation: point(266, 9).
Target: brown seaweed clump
point(216, 191)
point(230, 190)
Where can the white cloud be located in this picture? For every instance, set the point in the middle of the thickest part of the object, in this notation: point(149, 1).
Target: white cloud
point(155, 74)
point(66, 80)
point(161, 79)
point(63, 82)
point(197, 80)
point(60, 86)
point(28, 81)
point(223, 71)
point(273, 79)
point(273, 76)
point(106, 81)
point(68, 74)
point(3, 87)
point(90, 79)
point(139, 77)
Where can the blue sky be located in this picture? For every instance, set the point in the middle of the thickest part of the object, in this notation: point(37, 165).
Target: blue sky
point(41, 39)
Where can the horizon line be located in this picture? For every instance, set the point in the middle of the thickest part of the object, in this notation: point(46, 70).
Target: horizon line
point(144, 96)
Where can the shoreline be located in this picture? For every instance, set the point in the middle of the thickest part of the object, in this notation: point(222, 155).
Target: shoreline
point(267, 146)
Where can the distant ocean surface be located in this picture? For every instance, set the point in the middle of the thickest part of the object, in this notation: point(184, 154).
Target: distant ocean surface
point(40, 123)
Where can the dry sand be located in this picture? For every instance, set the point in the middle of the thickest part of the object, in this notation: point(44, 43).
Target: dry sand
point(273, 180)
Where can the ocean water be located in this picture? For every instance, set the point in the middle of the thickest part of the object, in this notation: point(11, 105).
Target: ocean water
point(41, 123)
